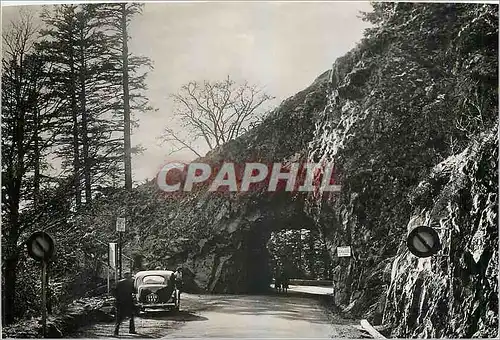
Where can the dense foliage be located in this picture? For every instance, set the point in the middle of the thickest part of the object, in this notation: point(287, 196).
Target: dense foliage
point(64, 100)
point(300, 253)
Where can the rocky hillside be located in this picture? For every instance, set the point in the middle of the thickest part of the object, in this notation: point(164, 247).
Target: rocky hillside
point(411, 122)
point(410, 119)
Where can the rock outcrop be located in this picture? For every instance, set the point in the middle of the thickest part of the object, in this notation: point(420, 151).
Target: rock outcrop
point(433, 296)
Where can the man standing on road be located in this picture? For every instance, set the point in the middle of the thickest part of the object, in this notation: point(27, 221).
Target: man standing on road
point(285, 281)
point(178, 283)
point(124, 295)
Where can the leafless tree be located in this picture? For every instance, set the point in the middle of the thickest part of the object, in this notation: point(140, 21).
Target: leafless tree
point(19, 38)
point(213, 113)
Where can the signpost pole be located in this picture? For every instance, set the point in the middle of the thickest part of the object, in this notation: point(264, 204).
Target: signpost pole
point(44, 299)
point(120, 253)
point(41, 248)
point(332, 271)
point(344, 251)
point(333, 288)
point(120, 228)
point(107, 268)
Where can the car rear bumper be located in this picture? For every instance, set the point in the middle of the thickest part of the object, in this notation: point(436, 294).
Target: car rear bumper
point(156, 305)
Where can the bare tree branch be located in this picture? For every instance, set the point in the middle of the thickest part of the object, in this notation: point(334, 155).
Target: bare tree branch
point(214, 113)
point(170, 136)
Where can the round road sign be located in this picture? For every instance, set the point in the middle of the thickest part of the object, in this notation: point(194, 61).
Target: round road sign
point(423, 241)
point(40, 246)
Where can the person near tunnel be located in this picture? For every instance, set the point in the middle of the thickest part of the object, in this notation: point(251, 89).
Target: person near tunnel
point(277, 283)
point(285, 281)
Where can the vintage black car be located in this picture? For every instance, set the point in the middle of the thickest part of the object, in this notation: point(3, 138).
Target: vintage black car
point(156, 289)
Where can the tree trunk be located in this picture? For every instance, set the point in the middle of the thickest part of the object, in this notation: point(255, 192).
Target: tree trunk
point(11, 253)
point(74, 113)
point(126, 101)
point(9, 292)
point(36, 175)
point(83, 107)
point(14, 188)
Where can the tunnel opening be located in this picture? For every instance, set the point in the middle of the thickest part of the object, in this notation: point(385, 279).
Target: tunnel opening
point(257, 261)
point(289, 242)
point(300, 253)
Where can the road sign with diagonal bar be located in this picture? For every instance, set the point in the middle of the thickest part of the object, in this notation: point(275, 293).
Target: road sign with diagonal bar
point(423, 241)
point(40, 246)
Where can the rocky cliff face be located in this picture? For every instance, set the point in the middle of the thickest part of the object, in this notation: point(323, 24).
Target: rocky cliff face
point(435, 295)
point(409, 118)
point(394, 125)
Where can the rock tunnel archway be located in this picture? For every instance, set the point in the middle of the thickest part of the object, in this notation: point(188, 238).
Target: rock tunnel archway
point(240, 261)
point(257, 260)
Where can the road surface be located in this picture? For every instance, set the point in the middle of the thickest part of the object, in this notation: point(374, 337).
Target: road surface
point(294, 315)
point(314, 290)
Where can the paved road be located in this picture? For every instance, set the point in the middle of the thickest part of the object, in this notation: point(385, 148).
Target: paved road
point(276, 316)
point(315, 290)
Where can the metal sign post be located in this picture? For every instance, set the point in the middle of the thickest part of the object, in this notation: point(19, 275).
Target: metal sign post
point(120, 228)
point(41, 248)
point(112, 255)
point(44, 298)
point(120, 255)
point(111, 262)
point(343, 251)
point(107, 269)
point(116, 276)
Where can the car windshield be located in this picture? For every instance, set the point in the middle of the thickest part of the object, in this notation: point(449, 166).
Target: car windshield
point(153, 279)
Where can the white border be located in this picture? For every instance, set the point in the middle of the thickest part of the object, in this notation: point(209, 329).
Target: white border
point(44, 2)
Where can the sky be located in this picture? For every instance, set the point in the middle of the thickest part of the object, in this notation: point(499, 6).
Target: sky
point(280, 46)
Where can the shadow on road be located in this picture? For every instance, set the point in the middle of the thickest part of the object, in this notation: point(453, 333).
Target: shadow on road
point(290, 306)
point(152, 324)
point(174, 316)
point(279, 311)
